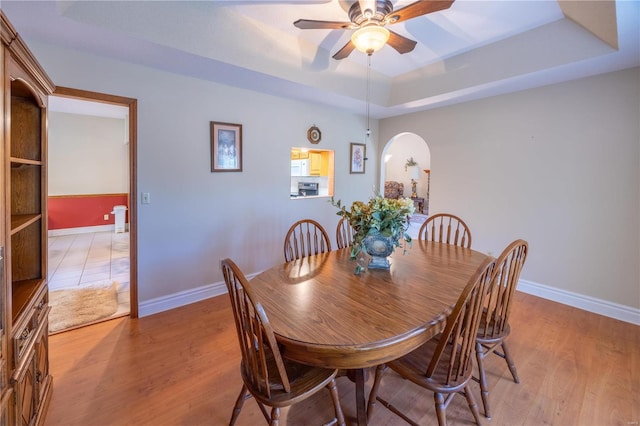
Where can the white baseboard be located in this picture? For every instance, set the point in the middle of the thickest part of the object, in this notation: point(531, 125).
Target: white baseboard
point(587, 303)
point(597, 306)
point(82, 230)
point(183, 298)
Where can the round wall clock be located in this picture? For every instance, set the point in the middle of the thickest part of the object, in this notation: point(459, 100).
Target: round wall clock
point(313, 134)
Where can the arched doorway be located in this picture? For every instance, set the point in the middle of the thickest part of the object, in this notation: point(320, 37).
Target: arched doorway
point(395, 154)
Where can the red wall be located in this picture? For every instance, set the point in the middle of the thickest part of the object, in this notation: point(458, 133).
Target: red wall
point(75, 211)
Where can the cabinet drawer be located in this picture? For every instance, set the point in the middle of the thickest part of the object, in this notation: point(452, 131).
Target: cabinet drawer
point(41, 309)
point(22, 340)
point(32, 319)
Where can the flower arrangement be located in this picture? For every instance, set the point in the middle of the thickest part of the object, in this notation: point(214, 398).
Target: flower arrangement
point(385, 216)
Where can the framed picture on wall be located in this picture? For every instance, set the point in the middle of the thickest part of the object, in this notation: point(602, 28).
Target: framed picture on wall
point(226, 147)
point(358, 156)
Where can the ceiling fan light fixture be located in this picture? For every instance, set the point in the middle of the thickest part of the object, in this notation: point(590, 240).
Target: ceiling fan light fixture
point(370, 39)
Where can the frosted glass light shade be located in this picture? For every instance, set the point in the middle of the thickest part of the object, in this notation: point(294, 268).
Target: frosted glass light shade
point(370, 39)
point(415, 173)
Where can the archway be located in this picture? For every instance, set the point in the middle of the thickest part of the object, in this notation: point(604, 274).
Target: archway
point(393, 160)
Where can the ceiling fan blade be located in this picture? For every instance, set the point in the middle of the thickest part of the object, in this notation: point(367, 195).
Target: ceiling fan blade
point(309, 24)
point(417, 9)
point(401, 43)
point(345, 51)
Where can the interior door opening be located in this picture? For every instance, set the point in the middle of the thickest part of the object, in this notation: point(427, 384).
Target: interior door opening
point(92, 203)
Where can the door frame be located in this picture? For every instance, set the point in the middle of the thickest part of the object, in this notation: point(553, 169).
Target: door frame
point(132, 105)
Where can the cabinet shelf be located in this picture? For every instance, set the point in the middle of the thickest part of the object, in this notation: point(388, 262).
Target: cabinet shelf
point(21, 221)
point(23, 292)
point(17, 162)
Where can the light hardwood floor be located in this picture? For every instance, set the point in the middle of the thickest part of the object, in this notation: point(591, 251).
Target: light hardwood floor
point(181, 368)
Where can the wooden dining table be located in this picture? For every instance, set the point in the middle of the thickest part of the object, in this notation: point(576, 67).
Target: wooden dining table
point(325, 315)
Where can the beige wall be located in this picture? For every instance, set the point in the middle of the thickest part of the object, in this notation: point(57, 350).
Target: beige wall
point(87, 155)
point(558, 166)
point(197, 217)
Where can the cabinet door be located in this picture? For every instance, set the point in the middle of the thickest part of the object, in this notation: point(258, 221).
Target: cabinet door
point(316, 164)
point(6, 407)
point(25, 391)
point(42, 377)
point(4, 377)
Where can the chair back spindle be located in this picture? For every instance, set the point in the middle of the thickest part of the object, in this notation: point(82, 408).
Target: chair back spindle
point(503, 285)
point(446, 228)
point(305, 238)
point(457, 341)
point(344, 234)
point(494, 324)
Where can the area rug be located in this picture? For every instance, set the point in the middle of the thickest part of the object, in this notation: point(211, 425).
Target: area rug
point(74, 307)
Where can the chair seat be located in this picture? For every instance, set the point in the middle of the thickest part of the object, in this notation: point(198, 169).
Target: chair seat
point(412, 367)
point(303, 379)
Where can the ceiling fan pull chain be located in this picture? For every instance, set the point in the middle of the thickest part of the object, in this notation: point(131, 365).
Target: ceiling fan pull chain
point(368, 100)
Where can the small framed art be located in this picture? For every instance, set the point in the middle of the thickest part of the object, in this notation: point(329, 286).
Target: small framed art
point(226, 147)
point(358, 156)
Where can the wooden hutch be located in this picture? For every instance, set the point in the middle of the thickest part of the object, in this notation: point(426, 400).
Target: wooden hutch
point(25, 382)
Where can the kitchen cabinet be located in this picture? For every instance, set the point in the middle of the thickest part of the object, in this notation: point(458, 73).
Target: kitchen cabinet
point(315, 164)
point(25, 381)
point(299, 167)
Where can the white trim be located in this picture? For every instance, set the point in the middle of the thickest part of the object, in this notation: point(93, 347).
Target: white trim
point(587, 303)
point(80, 230)
point(183, 298)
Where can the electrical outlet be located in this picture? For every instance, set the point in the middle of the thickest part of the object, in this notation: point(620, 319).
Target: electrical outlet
point(106, 217)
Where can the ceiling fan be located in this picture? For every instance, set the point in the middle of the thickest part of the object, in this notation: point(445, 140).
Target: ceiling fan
point(369, 18)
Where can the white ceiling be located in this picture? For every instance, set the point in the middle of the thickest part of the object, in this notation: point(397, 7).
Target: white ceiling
point(474, 49)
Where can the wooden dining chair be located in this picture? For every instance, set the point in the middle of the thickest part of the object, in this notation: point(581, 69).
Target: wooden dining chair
point(494, 323)
point(305, 238)
point(444, 364)
point(446, 228)
point(266, 375)
point(344, 233)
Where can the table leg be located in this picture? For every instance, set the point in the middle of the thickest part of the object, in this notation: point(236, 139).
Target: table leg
point(358, 377)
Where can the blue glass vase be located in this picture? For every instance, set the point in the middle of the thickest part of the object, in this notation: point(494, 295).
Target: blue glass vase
point(379, 248)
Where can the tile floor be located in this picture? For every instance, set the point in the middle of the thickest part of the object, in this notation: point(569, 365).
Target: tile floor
point(82, 259)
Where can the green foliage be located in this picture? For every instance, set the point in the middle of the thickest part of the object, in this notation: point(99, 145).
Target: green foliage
point(410, 163)
point(379, 215)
